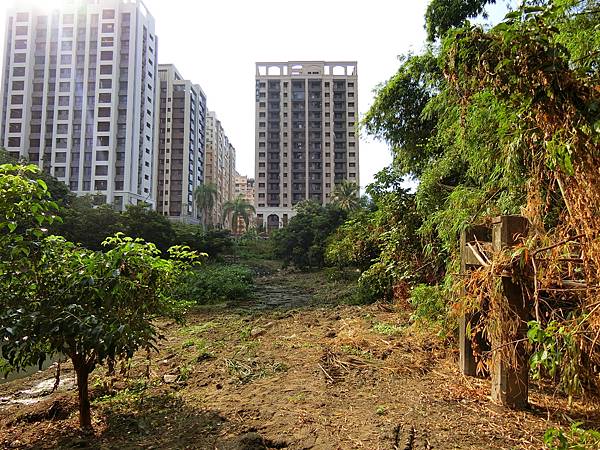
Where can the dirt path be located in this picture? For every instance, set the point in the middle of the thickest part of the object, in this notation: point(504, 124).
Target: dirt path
point(289, 369)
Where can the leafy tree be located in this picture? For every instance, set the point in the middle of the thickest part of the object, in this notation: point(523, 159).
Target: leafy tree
point(140, 221)
point(346, 195)
point(303, 241)
point(88, 224)
point(205, 196)
point(237, 208)
point(57, 297)
point(443, 15)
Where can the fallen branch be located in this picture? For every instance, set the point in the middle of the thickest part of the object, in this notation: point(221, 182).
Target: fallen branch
point(325, 372)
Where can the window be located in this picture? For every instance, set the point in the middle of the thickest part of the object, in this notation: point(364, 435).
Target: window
point(16, 100)
point(65, 73)
point(63, 100)
point(109, 14)
point(103, 126)
point(65, 59)
point(19, 57)
point(14, 141)
point(103, 112)
point(18, 71)
point(105, 83)
point(66, 46)
point(22, 17)
point(104, 97)
point(18, 85)
point(14, 128)
point(103, 141)
point(67, 32)
point(63, 114)
point(100, 185)
point(107, 41)
point(101, 170)
point(106, 69)
point(62, 128)
point(106, 56)
point(64, 86)
point(59, 172)
point(16, 113)
point(108, 27)
point(20, 44)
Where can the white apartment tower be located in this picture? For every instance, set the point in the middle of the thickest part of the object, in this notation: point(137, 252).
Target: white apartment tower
point(78, 95)
point(180, 143)
point(305, 139)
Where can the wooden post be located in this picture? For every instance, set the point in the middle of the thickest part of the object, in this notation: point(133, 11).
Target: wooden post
point(467, 364)
point(510, 383)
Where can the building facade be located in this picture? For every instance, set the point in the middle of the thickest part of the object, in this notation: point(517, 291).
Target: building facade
point(180, 145)
point(78, 95)
point(219, 167)
point(306, 140)
point(244, 188)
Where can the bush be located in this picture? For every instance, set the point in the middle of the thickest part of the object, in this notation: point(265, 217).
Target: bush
point(218, 283)
point(429, 303)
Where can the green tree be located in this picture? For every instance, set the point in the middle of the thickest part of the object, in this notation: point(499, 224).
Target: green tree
point(303, 241)
point(237, 208)
point(205, 196)
point(443, 15)
point(346, 195)
point(57, 297)
point(141, 221)
point(88, 224)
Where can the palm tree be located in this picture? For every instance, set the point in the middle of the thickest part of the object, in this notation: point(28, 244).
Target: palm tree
point(205, 196)
point(238, 207)
point(345, 195)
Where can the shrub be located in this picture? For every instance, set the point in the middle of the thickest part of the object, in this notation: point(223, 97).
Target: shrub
point(429, 303)
point(218, 283)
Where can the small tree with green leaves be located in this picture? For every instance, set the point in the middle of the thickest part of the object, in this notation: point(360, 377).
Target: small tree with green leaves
point(56, 297)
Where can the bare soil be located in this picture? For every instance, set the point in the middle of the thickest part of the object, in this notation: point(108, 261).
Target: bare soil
point(292, 368)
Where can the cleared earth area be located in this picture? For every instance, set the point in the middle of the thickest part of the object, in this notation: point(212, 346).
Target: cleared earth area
point(291, 368)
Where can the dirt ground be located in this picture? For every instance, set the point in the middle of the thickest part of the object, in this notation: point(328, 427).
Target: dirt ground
point(290, 369)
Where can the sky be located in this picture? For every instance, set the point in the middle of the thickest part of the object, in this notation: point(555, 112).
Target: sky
point(216, 44)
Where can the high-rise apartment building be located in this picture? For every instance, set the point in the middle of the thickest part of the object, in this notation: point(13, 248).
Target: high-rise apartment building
point(306, 140)
point(78, 95)
point(180, 143)
point(244, 188)
point(219, 166)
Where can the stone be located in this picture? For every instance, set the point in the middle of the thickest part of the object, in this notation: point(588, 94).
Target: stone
point(169, 378)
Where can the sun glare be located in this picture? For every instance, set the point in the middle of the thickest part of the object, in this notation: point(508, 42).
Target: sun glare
point(51, 5)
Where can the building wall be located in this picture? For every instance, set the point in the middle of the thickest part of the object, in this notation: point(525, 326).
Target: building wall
point(78, 97)
point(306, 140)
point(180, 145)
point(244, 188)
point(219, 167)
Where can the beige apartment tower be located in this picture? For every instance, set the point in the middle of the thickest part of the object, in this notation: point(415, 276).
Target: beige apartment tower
point(305, 140)
point(219, 167)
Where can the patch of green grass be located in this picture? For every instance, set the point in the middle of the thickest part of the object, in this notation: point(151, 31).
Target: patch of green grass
point(356, 351)
point(387, 329)
point(300, 397)
point(198, 329)
point(381, 410)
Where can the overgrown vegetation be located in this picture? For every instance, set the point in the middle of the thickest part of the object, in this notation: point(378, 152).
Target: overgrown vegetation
point(218, 282)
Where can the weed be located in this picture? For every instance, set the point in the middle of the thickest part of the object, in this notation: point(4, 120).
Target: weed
point(297, 398)
point(387, 329)
point(198, 329)
point(381, 410)
point(574, 438)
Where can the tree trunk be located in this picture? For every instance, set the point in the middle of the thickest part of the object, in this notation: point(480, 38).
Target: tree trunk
point(85, 414)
